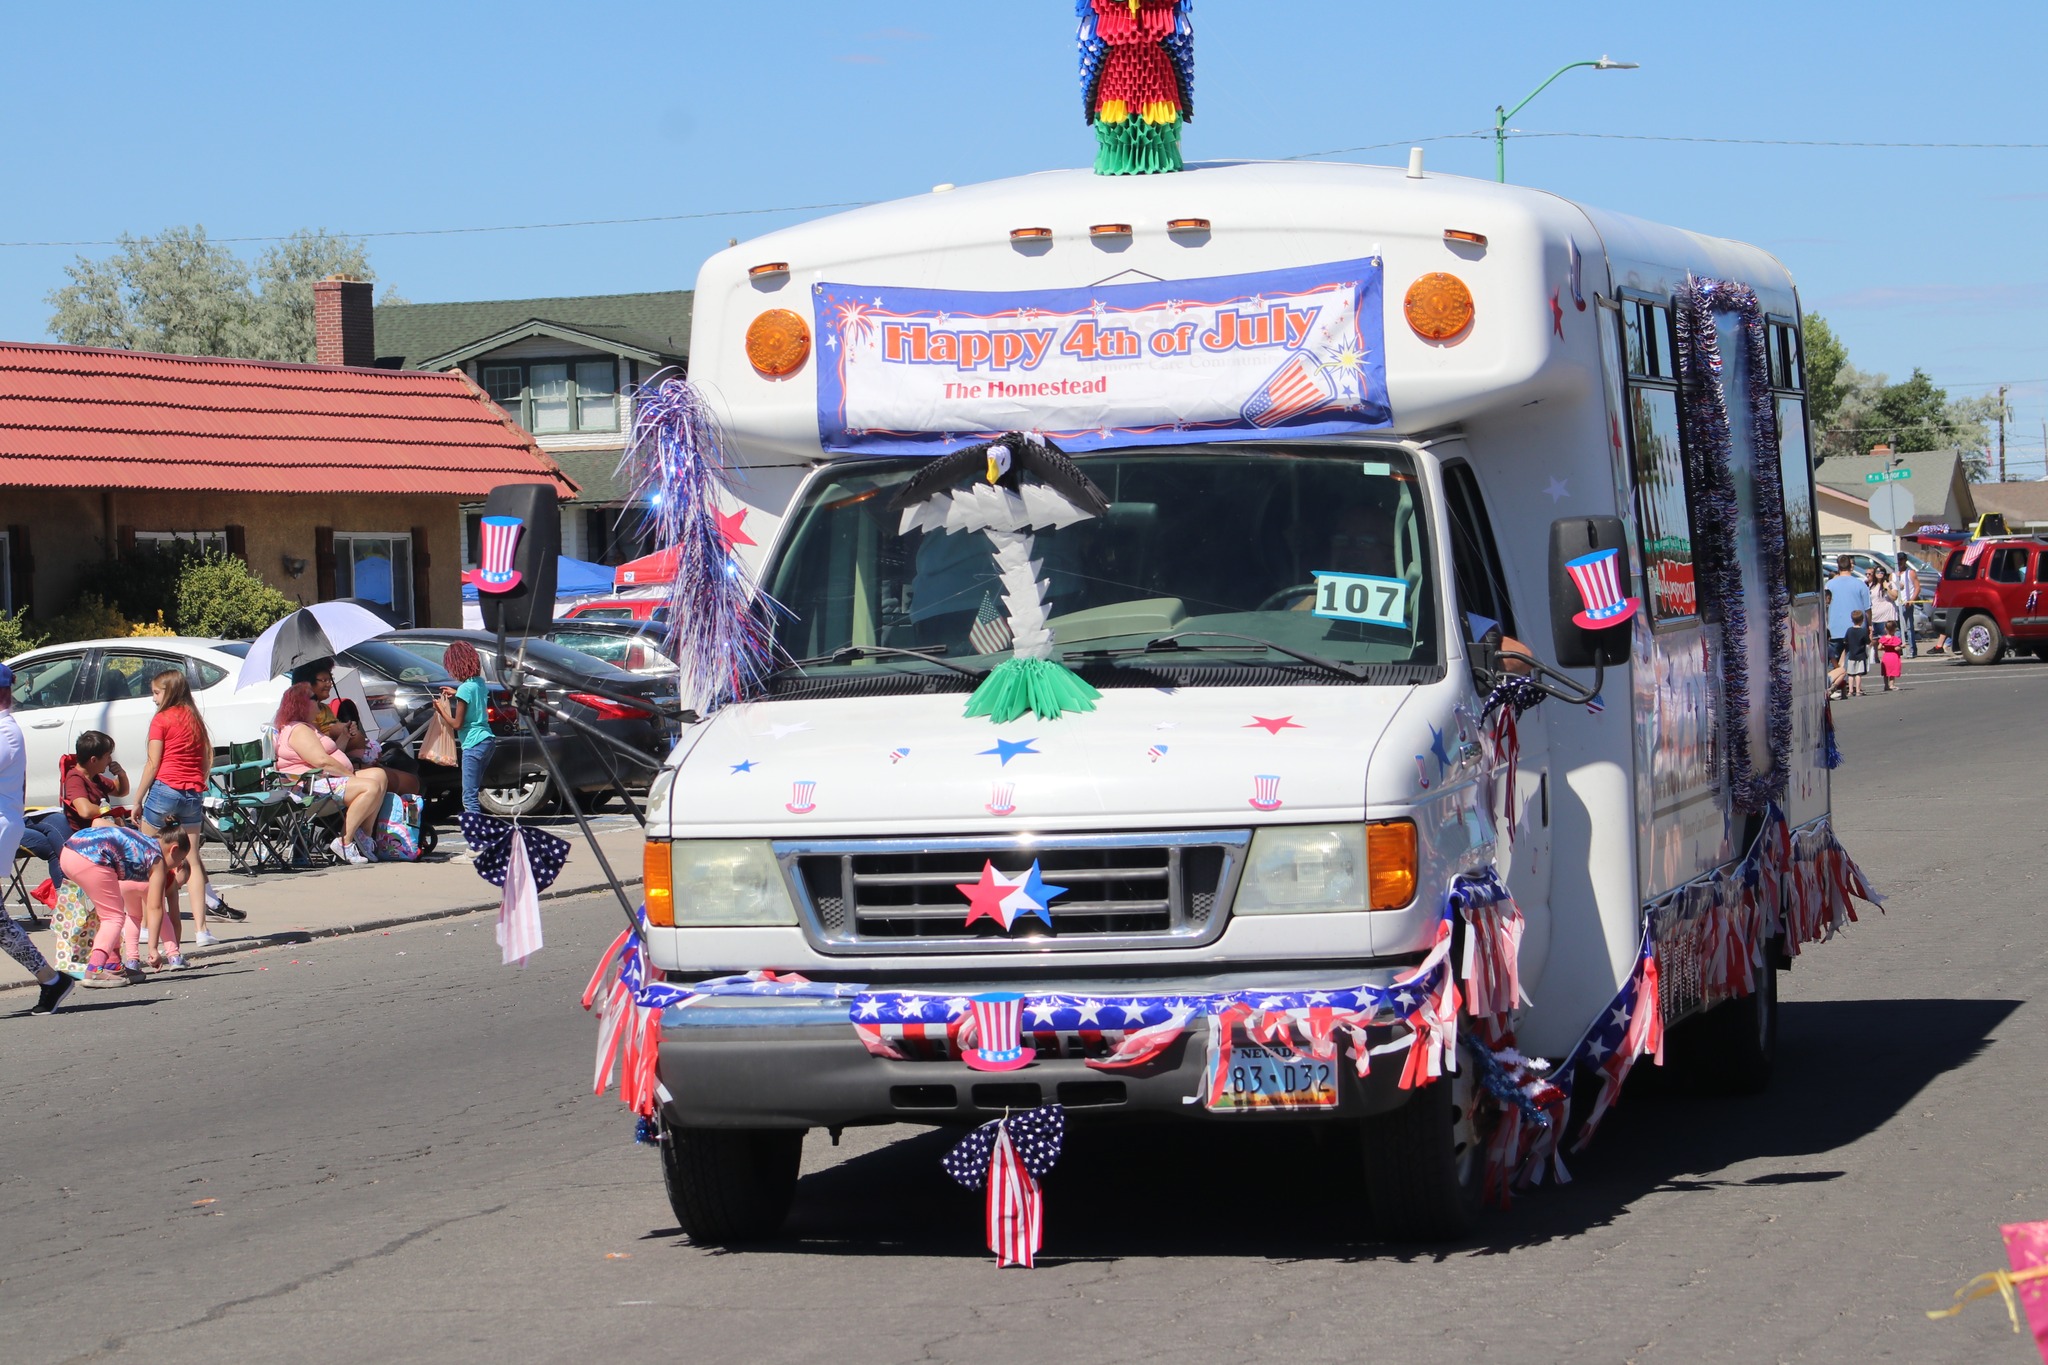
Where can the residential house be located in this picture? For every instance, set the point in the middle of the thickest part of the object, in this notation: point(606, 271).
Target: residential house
point(564, 369)
point(328, 481)
point(1939, 482)
point(2023, 505)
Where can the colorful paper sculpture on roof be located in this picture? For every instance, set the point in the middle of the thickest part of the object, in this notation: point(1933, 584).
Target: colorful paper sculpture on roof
point(1137, 81)
point(1021, 483)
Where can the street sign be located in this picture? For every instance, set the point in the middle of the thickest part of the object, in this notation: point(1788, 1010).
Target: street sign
point(1888, 476)
point(1891, 507)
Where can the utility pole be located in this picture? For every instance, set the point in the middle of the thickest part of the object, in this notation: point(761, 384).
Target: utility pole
point(2001, 433)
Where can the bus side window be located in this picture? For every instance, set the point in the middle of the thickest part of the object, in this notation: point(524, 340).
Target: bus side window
point(1482, 589)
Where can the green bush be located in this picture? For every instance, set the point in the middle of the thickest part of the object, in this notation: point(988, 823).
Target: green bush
point(219, 596)
point(142, 581)
point(16, 637)
point(92, 617)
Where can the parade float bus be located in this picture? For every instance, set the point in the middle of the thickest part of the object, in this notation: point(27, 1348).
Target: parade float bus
point(1262, 484)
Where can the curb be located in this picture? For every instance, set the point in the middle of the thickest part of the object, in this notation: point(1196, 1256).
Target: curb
point(285, 938)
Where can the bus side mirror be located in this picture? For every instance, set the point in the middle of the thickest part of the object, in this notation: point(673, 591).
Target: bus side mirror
point(1590, 609)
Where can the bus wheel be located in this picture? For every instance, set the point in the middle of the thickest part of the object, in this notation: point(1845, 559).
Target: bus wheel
point(1981, 640)
point(1425, 1163)
point(1731, 1049)
point(729, 1185)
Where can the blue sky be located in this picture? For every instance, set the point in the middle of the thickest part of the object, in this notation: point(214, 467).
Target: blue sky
point(256, 120)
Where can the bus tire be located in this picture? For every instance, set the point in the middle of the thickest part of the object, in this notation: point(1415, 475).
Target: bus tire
point(1979, 640)
point(1425, 1163)
point(729, 1186)
point(1732, 1048)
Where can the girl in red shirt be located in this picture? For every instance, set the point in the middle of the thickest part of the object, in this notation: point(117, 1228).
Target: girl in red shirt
point(174, 778)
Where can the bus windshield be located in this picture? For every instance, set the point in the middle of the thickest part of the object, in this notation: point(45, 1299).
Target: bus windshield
point(1317, 549)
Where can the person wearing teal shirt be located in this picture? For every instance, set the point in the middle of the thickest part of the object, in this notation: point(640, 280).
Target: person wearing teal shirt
point(466, 707)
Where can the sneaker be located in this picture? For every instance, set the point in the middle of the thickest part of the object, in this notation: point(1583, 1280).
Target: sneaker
point(222, 910)
point(204, 939)
point(133, 971)
point(101, 977)
point(346, 852)
point(52, 994)
point(176, 963)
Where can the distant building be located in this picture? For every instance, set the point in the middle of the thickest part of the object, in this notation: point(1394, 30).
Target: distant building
point(563, 369)
point(329, 482)
point(2023, 505)
point(1940, 485)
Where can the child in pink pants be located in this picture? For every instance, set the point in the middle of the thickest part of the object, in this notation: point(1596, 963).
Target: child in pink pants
point(128, 876)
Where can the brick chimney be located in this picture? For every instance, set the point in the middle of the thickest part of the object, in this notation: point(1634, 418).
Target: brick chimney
point(344, 332)
point(1883, 452)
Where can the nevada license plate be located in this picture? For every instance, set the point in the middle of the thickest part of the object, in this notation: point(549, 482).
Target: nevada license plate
point(1262, 1078)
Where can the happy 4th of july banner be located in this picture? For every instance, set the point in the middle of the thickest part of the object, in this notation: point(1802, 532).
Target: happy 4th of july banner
point(1278, 353)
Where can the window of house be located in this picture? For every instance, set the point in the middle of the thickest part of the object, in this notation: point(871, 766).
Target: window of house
point(205, 540)
point(556, 397)
point(614, 535)
point(1652, 386)
point(375, 567)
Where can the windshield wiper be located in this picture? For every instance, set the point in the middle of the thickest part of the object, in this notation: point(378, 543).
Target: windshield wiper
point(1171, 644)
point(855, 653)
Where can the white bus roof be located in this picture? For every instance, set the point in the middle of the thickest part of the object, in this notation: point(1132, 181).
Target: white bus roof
point(1262, 216)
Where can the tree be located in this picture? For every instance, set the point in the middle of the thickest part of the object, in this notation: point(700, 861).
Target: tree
point(281, 325)
point(1826, 357)
point(178, 293)
point(181, 293)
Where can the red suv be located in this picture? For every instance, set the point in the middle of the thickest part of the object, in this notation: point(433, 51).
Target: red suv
point(1993, 596)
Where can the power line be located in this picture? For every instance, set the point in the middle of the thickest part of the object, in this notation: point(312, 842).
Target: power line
point(511, 227)
point(1799, 142)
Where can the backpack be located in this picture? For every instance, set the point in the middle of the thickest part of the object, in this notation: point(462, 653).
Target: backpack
point(397, 831)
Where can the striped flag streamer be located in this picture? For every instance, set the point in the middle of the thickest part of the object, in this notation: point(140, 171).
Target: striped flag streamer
point(1006, 1159)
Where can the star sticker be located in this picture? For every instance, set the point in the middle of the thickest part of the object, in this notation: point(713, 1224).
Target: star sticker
point(745, 766)
point(1032, 898)
point(729, 524)
point(1007, 749)
point(1556, 315)
point(985, 897)
point(785, 731)
point(1436, 748)
point(1273, 725)
point(1558, 488)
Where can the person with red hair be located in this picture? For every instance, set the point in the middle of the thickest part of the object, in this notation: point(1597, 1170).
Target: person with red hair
point(467, 710)
point(303, 752)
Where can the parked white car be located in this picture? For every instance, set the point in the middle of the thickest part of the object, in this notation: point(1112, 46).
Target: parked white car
point(63, 690)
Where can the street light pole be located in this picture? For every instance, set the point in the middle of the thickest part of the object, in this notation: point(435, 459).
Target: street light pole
point(1501, 115)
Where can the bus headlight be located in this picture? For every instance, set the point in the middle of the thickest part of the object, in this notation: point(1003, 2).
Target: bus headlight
point(729, 883)
point(1293, 869)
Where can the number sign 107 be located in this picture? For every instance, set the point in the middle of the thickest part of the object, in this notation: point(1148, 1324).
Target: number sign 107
point(1361, 597)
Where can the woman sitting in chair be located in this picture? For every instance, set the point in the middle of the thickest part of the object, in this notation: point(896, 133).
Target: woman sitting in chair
point(304, 752)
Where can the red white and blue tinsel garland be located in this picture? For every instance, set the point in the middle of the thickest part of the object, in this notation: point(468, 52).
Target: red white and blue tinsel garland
point(1717, 516)
point(719, 627)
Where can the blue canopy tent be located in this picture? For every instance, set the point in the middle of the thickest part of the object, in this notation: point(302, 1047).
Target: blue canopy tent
point(573, 578)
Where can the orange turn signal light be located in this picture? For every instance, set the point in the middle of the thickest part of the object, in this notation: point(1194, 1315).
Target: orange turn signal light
point(1460, 235)
point(1439, 306)
point(1389, 864)
point(770, 268)
point(778, 343)
point(1030, 234)
point(657, 883)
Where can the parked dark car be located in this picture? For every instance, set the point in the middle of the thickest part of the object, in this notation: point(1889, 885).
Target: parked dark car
point(517, 781)
point(635, 646)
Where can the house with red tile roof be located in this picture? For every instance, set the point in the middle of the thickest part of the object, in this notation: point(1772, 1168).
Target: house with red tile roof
point(329, 481)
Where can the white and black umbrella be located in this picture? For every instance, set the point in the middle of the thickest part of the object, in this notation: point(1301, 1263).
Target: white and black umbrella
point(320, 631)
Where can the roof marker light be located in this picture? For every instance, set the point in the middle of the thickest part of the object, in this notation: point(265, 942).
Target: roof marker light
point(1110, 230)
point(778, 343)
point(1460, 235)
point(1439, 306)
point(1035, 234)
point(755, 272)
point(1187, 225)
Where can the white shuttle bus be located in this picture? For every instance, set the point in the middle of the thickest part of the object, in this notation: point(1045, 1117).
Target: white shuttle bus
point(1360, 437)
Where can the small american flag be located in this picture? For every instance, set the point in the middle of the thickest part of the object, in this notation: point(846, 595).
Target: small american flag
point(1297, 387)
point(1007, 1159)
point(1597, 704)
point(990, 633)
point(1631, 1026)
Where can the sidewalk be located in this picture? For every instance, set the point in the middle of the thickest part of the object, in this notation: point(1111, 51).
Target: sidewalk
point(299, 906)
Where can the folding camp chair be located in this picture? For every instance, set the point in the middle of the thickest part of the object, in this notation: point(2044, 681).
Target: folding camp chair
point(249, 812)
point(18, 887)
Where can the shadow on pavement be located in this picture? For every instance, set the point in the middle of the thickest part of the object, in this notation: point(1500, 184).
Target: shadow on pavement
point(1292, 1191)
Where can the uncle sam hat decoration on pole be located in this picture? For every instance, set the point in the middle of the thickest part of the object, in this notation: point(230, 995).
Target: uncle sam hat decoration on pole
point(500, 537)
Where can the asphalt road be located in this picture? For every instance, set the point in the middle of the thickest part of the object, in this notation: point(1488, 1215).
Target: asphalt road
point(383, 1148)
